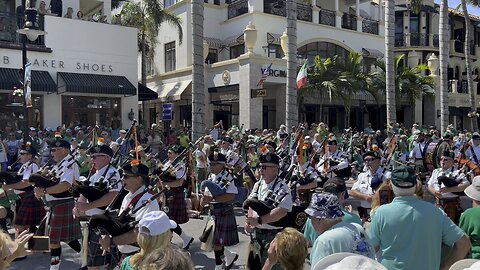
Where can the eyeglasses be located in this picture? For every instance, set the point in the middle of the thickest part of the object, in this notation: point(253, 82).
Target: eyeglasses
point(263, 167)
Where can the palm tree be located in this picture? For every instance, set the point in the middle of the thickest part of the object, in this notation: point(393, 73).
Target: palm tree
point(198, 84)
point(147, 16)
point(291, 116)
point(468, 59)
point(444, 47)
point(389, 59)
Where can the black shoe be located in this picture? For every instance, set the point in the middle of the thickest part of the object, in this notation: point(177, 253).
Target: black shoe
point(188, 245)
point(83, 268)
point(228, 267)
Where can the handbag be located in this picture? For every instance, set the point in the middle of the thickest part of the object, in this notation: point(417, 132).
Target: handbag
point(207, 236)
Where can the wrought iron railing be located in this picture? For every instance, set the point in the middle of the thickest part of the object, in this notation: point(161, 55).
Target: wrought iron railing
point(399, 40)
point(326, 17)
point(436, 40)
point(10, 23)
point(237, 8)
point(279, 8)
point(418, 39)
point(459, 46)
point(349, 21)
point(370, 26)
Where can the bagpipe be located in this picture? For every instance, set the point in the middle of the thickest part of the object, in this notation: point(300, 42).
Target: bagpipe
point(8, 178)
point(50, 177)
point(450, 179)
point(113, 224)
point(296, 218)
point(333, 163)
point(218, 188)
point(102, 186)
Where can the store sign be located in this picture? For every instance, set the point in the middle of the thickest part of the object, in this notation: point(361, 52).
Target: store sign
point(167, 111)
point(259, 93)
point(60, 64)
point(275, 73)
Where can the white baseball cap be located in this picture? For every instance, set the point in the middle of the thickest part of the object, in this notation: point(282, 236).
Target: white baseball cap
point(344, 260)
point(155, 223)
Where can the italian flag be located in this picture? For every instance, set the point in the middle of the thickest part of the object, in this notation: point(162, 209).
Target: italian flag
point(302, 79)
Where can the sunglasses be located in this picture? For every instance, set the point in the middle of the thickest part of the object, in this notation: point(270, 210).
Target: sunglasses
point(369, 159)
point(97, 156)
point(23, 153)
point(53, 150)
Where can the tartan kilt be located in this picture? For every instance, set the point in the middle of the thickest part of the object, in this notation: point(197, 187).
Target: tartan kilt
point(95, 257)
point(30, 210)
point(177, 208)
point(451, 207)
point(63, 227)
point(225, 233)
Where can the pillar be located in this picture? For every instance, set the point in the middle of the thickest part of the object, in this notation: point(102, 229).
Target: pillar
point(339, 14)
point(250, 109)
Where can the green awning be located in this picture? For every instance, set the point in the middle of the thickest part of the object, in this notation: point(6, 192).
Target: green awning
point(41, 80)
point(94, 84)
point(145, 93)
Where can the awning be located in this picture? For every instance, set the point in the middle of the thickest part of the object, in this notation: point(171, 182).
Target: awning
point(94, 83)
point(41, 80)
point(233, 40)
point(372, 53)
point(273, 38)
point(213, 42)
point(173, 91)
point(145, 93)
point(226, 88)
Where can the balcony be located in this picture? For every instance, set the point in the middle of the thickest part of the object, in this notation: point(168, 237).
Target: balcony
point(399, 40)
point(304, 12)
point(436, 40)
point(9, 25)
point(237, 8)
point(326, 17)
point(349, 21)
point(370, 26)
point(418, 39)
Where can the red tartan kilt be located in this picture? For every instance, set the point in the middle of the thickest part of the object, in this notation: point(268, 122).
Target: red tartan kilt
point(63, 227)
point(177, 208)
point(30, 211)
point(226, 233)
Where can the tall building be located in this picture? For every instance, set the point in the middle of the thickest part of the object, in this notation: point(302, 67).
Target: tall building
point(325, 28)
point(84, 69)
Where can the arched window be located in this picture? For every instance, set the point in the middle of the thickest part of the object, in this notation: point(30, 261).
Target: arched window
point(324, 49)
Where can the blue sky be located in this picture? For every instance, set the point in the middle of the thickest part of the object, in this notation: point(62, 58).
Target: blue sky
point(455, 3)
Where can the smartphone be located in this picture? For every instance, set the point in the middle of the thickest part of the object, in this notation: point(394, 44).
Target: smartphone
point(39, 244)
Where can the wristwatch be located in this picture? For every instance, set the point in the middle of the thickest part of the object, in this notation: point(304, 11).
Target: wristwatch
point(259, 220)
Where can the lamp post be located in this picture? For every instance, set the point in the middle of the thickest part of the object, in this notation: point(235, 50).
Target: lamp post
point(31, 32)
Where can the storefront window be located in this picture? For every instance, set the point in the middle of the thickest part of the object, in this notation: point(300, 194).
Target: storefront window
point(90, 111)
point(12, 112)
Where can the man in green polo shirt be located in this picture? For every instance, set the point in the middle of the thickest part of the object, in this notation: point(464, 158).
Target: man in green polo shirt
point(409, 232)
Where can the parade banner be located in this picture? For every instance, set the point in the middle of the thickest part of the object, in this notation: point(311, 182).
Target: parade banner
point(26, 85)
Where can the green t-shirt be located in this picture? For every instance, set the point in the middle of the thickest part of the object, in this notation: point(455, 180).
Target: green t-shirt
point(126, 264)
point(470, 224)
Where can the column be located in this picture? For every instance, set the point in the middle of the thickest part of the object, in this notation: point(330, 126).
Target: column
point(250, 109)
point(357, 8)
point(208, 116)
point(107, 10)
point(359, 24)
point(406, 27)
point(380, 14)
point(339, 14)
point(255, 6)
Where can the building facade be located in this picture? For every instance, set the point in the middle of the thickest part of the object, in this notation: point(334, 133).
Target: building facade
point(325, 28)
point(84, 70)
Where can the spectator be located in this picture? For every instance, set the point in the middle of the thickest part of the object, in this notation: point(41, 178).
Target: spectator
point(408, 227)
point(289, 248)
point(470, 219)
point(10, 250)
point(170, 257)
point(42, 10)
point(350, 261)
point(368, 129)
point(80, 15)
point(336, 235)
point(3, 156)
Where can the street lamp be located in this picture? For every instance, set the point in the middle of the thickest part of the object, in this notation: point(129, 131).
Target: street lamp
point(31, 32)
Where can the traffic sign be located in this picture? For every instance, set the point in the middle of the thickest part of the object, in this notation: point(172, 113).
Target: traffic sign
point(167, 109)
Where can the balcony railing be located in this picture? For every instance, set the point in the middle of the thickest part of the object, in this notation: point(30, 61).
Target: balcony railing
point(418, 39)
point(237, 8)
point(436, 40)
point(10, 23)
point(326, 17)
point(370, 26)
point(304, 12)
point(349, 21)
point(399, 40)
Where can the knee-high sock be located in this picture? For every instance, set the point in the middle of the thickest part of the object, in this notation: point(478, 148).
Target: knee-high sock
point(218, 256)
point(55, 254)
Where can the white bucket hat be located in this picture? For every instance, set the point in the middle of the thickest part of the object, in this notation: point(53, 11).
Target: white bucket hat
point(473, 191)
point(466, 264)
point(350, 261)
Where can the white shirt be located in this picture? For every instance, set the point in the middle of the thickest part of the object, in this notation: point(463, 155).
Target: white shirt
point(152, 206)
point(111, 177)
point(198, 158)
point(363, 184)
point(28, 169)
point(475, 149)
point(221, 177)
point(180, 170)
point(65, 174)
point(260, 190)
point(417, 150)
point(433, 181)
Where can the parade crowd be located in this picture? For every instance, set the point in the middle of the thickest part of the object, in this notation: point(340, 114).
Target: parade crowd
point(312, 197)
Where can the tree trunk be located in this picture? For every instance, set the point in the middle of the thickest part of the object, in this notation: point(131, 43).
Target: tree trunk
point(198, 95)
point(291, 118)
point(144, 76)
point(468, 61)
point(444, 52)
point(390, 61)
